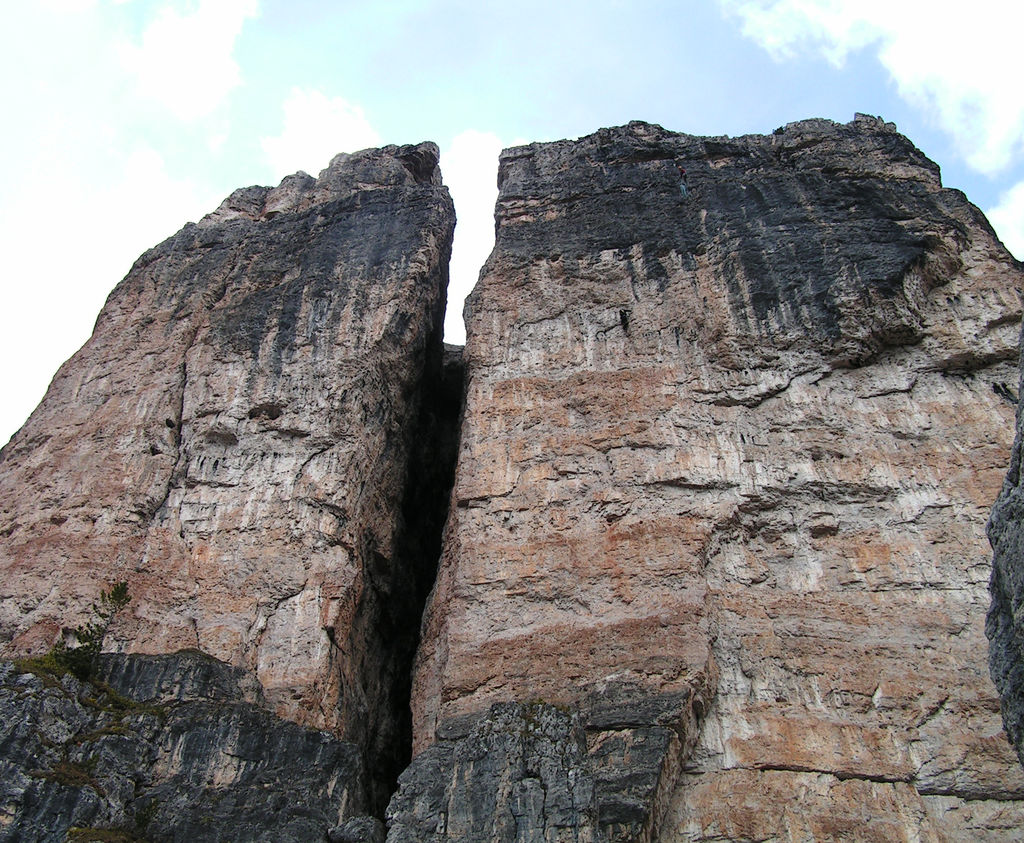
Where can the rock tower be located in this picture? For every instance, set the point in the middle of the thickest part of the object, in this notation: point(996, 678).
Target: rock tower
point(713, 472)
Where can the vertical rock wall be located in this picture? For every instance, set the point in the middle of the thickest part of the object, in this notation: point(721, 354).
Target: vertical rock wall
point(725, 467)
point(234, 441)
point(1005, 623)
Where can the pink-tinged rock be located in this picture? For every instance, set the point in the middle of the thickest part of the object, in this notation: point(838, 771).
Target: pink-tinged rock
point(740, 447)
point(234, 441)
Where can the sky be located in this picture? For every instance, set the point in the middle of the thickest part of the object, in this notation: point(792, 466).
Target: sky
point(125, 119)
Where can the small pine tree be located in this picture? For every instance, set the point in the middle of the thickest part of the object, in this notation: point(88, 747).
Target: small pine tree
point(81, 660)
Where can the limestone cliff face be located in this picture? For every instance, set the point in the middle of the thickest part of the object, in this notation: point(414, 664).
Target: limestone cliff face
point(725, 466)
point(235, 440)
point(714, 565)
point(1005, 623)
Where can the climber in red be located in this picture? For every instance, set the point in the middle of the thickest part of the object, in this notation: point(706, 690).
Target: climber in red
point(683, 187)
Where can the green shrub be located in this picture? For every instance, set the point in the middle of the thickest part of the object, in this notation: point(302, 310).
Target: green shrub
point(81, 660)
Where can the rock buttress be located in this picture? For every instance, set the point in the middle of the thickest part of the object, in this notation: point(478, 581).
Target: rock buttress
point(234, 442)
point(725, 467)
point(1005, 623)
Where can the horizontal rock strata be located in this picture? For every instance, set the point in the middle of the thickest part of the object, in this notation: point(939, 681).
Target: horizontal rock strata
point(234, 441)
point(734, 447)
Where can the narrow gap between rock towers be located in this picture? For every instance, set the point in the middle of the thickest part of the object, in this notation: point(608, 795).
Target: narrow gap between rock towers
point(402, 586)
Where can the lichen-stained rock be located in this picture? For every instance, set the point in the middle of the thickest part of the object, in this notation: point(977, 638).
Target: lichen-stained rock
point(535, 771)
point(188, 756)
point(517, 773)
point(234, 439)
point(737, 448)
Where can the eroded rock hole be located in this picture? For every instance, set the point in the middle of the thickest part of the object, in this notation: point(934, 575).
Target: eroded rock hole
point(265, 411)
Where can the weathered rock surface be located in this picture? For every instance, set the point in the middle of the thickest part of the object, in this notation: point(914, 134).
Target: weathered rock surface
point(734, 450)
point(515, 774)
point(534, 771)
point(1005, 623)
point(714, 566)
point(189, 756)
point(235, 441)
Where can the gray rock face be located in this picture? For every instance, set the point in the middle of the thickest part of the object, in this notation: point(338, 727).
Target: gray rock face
point(358, 830)
point(1005, 623)
point(534, 771)
point(517, 774)
point(538, 772)
point(183, 756)
point(186, 676)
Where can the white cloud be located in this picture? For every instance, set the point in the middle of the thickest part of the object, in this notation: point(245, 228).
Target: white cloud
point(316, 128)
point(68, 6)
point(82, 191)
point(784, 26)
point(1008, 219)
point(69, 236)
point(470, 170)
point(184, 59)
point(959, 64)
